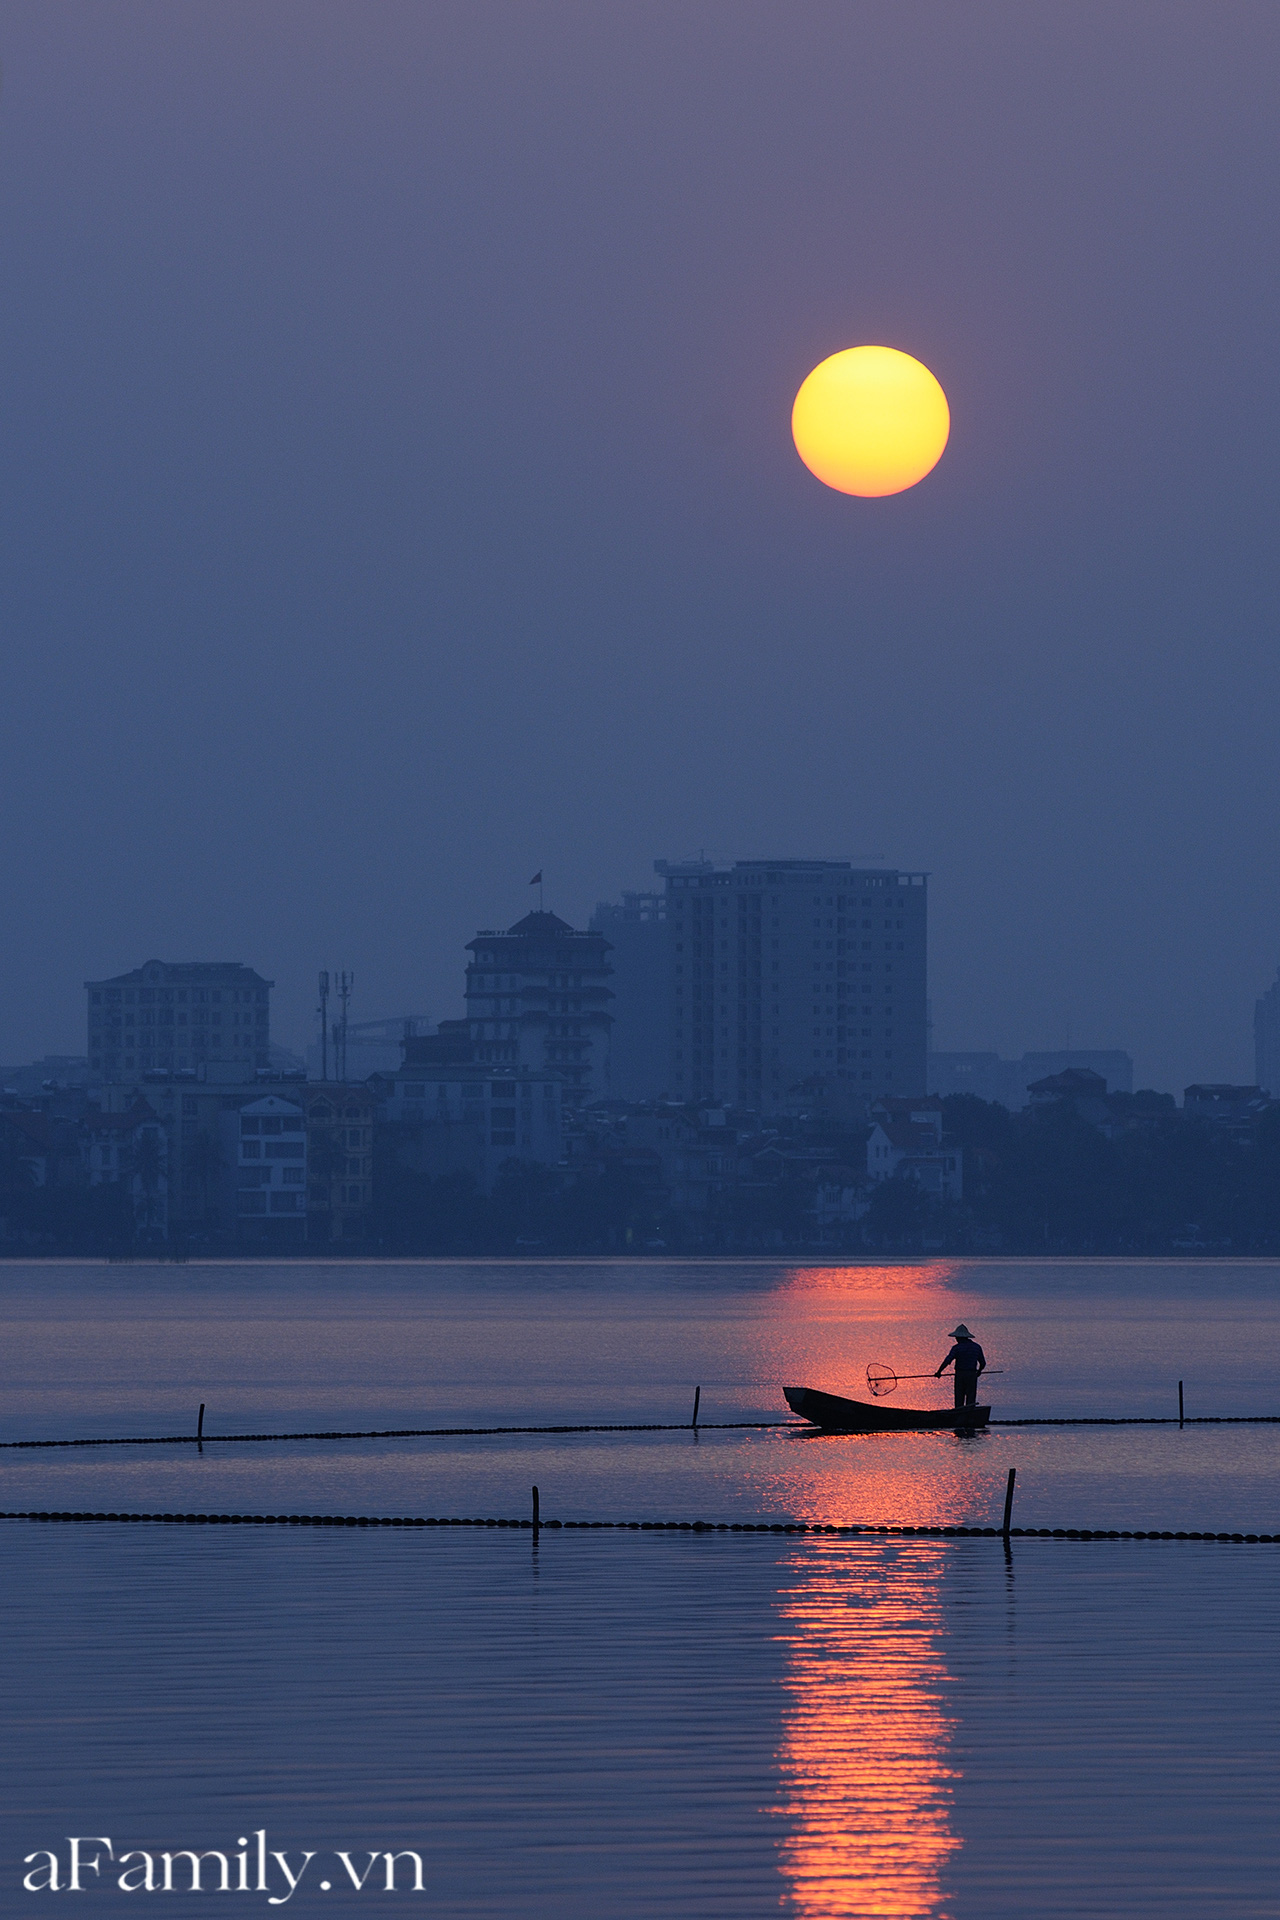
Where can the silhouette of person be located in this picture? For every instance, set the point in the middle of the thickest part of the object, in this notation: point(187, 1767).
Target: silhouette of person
point(969, 1360)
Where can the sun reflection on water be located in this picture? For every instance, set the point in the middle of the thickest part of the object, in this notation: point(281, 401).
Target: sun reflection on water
point(905, 1280)
point(864, 1761)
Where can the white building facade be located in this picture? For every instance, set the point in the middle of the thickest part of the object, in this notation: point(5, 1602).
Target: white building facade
point(266, 1144)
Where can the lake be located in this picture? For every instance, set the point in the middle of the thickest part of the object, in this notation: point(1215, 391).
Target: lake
point(653, 1723)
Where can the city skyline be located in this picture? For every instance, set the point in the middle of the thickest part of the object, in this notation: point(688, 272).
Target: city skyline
point(381, 530)
point(298, 1032)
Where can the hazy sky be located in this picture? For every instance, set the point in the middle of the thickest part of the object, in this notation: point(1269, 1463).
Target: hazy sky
point(397, 492)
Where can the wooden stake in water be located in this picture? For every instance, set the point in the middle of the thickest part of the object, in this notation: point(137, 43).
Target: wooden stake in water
point(200, 1423)
point(697, 1395)
point(1008, 1501)
point(535, 1508)
point(1180, 1404)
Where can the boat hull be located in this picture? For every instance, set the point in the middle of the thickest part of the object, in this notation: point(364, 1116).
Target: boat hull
point(835, 1415)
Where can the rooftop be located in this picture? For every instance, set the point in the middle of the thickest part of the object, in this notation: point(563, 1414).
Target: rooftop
point(233, 972)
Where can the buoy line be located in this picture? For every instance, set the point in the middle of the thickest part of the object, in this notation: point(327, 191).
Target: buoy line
point(858, 1530)
point(631, 1426)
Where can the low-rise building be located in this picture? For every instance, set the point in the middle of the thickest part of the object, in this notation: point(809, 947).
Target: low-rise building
point(131, 1150)
point(1235, 1109)
point(339, 1118)
point(907, 1142)
point(265, 1150)
point(449, 1112)
point(987, 1077)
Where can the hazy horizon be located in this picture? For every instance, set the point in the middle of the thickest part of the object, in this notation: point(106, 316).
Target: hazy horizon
point(399, 496)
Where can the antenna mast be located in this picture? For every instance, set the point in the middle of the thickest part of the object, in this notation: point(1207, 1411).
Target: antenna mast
point(345, 983)
point(324, 1024)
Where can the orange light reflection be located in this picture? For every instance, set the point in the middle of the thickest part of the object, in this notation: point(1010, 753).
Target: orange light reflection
point(864, 1760)
point(870, 1279)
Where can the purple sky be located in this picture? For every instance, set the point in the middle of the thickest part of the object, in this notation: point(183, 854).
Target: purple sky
point(398, 494)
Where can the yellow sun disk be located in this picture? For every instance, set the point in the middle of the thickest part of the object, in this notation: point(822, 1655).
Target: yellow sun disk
point(870, 421)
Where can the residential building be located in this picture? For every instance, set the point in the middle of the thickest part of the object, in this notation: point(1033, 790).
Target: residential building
point(1080, 1089)
point(781, 970)
point(56, 1072)
point(1266, 1038)
point(989, 1077)
point(178, 1016)
point(40, 1149)
point(192, 1105)
point(538, 997)
point(131, 1149)
point(638, 933)
point(1224, 1105)
point(698, 1153)
point(265, 1152)
point(448, 1111)
point(907, 1142)
point(339, 1117)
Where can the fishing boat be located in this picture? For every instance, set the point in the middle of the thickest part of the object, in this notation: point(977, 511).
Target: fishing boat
point(834, 1415)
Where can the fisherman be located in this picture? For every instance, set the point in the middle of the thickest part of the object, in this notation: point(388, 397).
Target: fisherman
point(970, 1361)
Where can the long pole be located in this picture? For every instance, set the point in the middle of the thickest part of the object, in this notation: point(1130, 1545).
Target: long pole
point(1008, 1501)
point(1180, 1414)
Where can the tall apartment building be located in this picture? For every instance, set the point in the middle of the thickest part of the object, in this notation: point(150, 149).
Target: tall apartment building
point(178, 1017)
point(538, 996)
point(783, 970)
point(1266, 1039)
point(640, 1043)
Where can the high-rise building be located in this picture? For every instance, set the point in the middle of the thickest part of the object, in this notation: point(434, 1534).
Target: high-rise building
point(640, 1043)
point(177, 1017)
point(538, 996)
point(787, 970)
point(1266, 1039)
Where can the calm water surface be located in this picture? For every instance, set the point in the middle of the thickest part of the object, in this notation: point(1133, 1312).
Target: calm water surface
point(658, 1725)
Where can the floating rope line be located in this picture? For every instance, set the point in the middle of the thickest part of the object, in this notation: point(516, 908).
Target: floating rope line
point(407, 1433)
point(1152, 1420)
point(647, 1526)
point(635, 1426)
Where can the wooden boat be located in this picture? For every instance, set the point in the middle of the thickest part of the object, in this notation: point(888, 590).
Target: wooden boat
point(834, 1415)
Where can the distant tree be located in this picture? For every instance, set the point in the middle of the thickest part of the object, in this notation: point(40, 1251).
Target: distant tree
point(146, 1166)
point(204, 1159)
point(899, 1209)
point(978, 1123)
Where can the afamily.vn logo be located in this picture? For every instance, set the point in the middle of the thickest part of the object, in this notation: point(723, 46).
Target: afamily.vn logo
point(92, 1861)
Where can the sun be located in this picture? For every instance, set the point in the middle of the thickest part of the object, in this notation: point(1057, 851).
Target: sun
point(870, 421)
